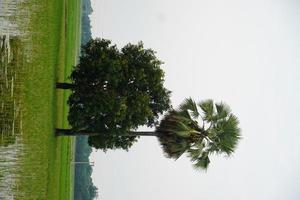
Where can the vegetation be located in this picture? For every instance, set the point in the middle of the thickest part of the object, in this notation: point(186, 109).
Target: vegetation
point(181, 131)
point(84, 187)
point(11, 54)
point(86, 33)
point(43, 168)
point(115, 91)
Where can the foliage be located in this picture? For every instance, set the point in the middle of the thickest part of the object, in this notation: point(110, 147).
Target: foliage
point(181, 131)
point(116, 91)
point(111, 141)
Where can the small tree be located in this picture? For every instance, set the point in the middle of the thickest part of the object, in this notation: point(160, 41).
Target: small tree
point(199, 130)
point(114, 91)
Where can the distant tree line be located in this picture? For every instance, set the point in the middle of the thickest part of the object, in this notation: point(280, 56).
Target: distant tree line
point(86, 22)
point(84, 187)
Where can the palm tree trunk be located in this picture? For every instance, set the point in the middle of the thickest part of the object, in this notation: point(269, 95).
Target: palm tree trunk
point(142, 133)
point(70, 132)
point(65, 85)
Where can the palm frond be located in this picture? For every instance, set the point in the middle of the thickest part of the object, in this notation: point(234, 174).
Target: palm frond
point(208, 109)
point(202, 162)
point(174, 148)
point(195, 153)
point(222, 111)
point(173, 123)
point(189, 105)
point(228, 133)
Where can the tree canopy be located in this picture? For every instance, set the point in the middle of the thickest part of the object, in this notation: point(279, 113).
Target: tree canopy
point(199, 130)
point(115, 91)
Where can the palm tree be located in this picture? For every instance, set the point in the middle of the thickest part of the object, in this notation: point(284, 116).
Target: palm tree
point(198, 129)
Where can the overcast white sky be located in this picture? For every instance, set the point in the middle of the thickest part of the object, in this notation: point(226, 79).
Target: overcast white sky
point(245, 53)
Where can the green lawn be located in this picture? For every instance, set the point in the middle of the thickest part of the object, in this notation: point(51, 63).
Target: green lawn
point(46, 167)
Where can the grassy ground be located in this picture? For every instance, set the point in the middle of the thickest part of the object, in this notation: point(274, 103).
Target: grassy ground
point(71, 46)
point(46, 167)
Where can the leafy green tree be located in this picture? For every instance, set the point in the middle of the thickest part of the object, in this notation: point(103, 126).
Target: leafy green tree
point(197, 129)
point(115, 91)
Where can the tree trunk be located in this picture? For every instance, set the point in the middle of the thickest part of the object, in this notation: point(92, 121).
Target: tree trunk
point(70, 132)
point(65, 86)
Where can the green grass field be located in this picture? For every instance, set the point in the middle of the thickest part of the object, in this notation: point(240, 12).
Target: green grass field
point(46, 167)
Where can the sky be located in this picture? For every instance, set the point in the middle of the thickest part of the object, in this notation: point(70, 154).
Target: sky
point(244, 53)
